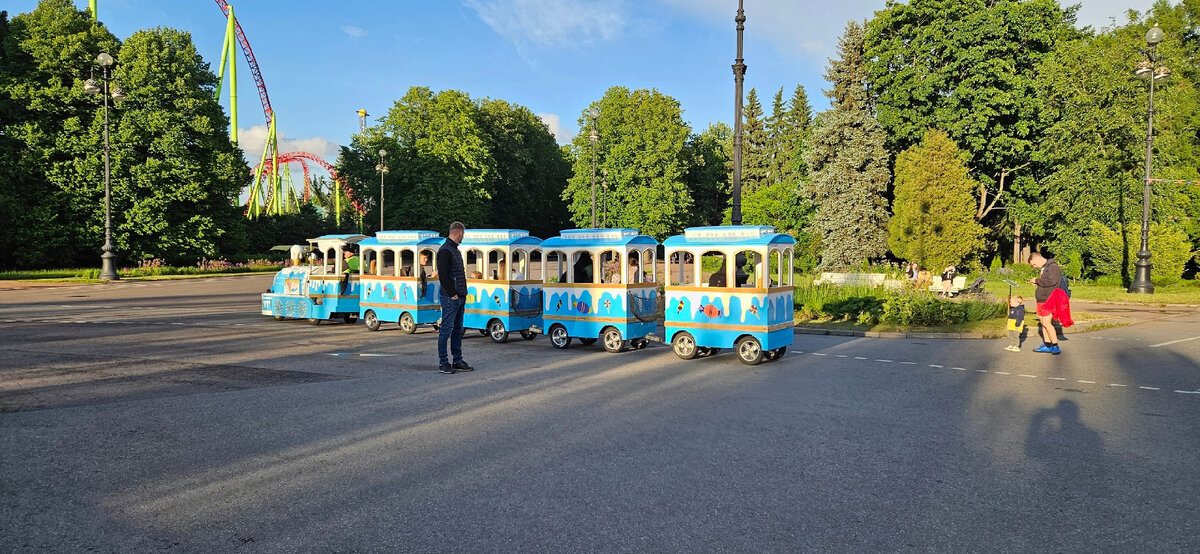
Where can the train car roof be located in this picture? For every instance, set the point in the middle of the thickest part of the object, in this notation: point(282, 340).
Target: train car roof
point(596, 238)
point(729, 235)
point(499, 237)
point(404, 238)
point(325, 241)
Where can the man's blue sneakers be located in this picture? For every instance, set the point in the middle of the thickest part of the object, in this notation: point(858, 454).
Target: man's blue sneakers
point(1044, 349)
point(1055, 350)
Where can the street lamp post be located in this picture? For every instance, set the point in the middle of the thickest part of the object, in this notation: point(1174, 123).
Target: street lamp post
point(594, 137)
point(382, 169)
point(108, 268)
point(739, 73)
point(604, 184)
point(1150, 70)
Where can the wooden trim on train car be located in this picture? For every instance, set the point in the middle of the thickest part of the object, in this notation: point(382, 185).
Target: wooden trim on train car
point(729, 327)
point(400, 306)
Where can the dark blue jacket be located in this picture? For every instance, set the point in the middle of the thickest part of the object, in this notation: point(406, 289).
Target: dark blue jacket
point(450, 270)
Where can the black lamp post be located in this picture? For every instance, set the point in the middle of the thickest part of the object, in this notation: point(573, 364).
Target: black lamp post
point(604, 184)
point(594, 137)
point(1148, 69)
point(108, 268)
point(739, 73)
point(382, 169)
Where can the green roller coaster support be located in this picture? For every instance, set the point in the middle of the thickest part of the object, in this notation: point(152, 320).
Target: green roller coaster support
point(229, 55)
point(92, 8)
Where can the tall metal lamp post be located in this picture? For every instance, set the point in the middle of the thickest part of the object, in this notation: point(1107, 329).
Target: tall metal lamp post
point(108, 268)
point(1150, 70)
point(594, 137)
point(604, 184)
point(382, 169)
point(739, 73)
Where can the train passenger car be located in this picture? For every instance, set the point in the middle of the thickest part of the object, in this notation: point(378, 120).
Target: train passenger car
point(320, 290)
point(719, 294)
point(399, 279)
point(600, 283)
point(504, 282)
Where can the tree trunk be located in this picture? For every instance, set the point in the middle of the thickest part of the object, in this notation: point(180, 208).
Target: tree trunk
point(1016, 242)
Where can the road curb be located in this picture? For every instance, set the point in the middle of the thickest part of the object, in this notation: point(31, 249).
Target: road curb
point(1081, 327)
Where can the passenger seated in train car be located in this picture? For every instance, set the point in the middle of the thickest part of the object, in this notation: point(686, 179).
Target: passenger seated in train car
point(717, 279)
point(741, 278)
point(425, 262)
point(352, 265)
point(477, 274)
point(582, 270)
point(513, 275)
point(635, 275)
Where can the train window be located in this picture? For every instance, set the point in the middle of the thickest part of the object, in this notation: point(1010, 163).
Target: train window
point(474, 263)
point(714, 271)
point(678, 273)
point(407, 263)
point(555, 264)
point(788, 270)
point(775, 271)
point(633, 268)
point(331, 261)
point(749, 271)
point(582, 268)
point(648, 267)
point(495, 265)
point(515, 271)
point(366, 262)
point(610, 265)
point(426, 263)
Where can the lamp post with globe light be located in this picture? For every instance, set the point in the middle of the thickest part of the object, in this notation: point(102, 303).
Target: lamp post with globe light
point(108, 268)
point(382, 169)
point(1150, 70)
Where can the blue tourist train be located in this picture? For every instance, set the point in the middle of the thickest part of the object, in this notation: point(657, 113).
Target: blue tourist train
point(321, 289)
point(504, 282)
point(600, 283)
point(729, 286)
point(399, 279)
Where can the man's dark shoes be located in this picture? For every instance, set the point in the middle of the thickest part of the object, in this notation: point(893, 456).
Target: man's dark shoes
point(462, 366)
point(445, 368)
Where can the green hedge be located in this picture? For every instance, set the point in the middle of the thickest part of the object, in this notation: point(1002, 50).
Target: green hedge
point(871, 305)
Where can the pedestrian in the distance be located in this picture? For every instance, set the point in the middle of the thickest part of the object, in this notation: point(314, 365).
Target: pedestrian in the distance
point(453, 278)
point(1052, 301)
point(1016, 323)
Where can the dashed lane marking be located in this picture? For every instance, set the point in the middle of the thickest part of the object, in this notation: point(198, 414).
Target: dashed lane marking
point(909, 363)
point(883, 360)
point(1173, 342)
point(1149, 388)
point(1056, 378)
point(1086, 382)
point(960, 368)
point(1027, 375)
point(1115, 385)
point(935, 365)
point(1003, 373)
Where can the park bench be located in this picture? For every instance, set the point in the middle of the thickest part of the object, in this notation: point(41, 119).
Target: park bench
point(958, 284)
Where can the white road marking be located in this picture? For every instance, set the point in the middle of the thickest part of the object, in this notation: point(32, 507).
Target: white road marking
point(1088, 382)
point(1003, 373)
point(819, 354)
point(981, 370)
point(909, 363)
point(840, 355)
point(859, 358)
point(1173, 342)
point(1188, 391)
point(1056, 378)
point(1149, 388)
point(883, 360)
point(1027, 375)
point(935, 365)
point(1115, 385)
point(961, 368)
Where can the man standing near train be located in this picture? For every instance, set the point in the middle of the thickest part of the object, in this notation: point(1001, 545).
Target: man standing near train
point(453, 278)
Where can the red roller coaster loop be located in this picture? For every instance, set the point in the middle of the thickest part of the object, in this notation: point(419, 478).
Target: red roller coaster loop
point(300, 157)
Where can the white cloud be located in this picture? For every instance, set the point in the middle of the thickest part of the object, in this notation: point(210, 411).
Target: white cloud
point(353, 31)
point(555, 124)
point(253, 141)
point(552, 23)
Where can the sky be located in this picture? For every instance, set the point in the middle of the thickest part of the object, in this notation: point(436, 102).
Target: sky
point(323, 61)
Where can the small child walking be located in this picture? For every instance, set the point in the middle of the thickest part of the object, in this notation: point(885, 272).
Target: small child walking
point(1016, 323)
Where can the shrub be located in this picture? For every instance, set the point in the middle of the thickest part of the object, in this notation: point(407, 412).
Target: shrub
point(1170, 246)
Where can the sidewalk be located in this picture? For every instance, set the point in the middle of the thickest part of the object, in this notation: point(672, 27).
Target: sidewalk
point(1123, 314)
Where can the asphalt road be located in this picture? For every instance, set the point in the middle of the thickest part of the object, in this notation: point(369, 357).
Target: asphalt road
point(156, 415)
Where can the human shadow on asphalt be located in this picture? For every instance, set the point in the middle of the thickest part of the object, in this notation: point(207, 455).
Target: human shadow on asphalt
point(1057, 436)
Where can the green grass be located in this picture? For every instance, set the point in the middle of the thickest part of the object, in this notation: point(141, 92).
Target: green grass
point(88, 275)
point(1184, 292)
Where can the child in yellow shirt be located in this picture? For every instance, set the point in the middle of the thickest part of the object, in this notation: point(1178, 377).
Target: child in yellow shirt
point(1016, 323)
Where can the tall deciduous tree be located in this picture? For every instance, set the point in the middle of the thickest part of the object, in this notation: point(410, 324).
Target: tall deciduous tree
point(848, 165)
point(933, 220)
point(177, 174)
point(709, 173)
point(641, 153)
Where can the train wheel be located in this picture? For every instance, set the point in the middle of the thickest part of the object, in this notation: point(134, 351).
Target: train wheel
point(407, 324)
point(749, 350)
point(613, 341)
point(350, 318)
point(559, 337)
point(372, 320)
point(684, 345)
point(527, 334)
point(495, 329)
point(314, 321)
point(587, 341)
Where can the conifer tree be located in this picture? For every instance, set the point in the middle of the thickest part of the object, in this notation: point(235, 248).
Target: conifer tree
point(934, 222)
point(848, 165)
point(777, 151)
point(754, 146)
point(798, 126)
